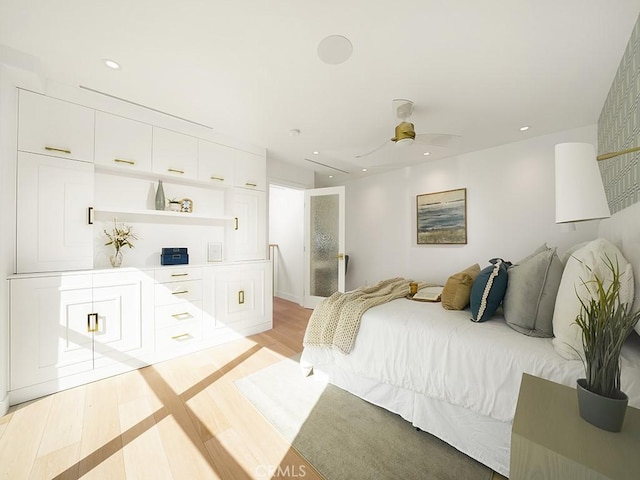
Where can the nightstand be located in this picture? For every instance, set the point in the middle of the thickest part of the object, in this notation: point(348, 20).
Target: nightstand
point(551, 441)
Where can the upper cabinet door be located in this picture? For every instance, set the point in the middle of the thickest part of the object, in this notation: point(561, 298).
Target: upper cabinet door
point(251, 171)
point(54, 127)
point(54, 230)
point(216, 164)
point(124, 143)
point(175, 154)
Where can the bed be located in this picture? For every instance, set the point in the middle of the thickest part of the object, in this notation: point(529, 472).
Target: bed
point(457, 379)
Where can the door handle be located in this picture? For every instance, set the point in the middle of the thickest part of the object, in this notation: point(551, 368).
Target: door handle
point(90, 215)
point(241, 297)
point(56, 149)
point(92, 322)
point(236, 226)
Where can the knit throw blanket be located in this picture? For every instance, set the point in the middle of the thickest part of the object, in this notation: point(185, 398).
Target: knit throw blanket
point(336, 320)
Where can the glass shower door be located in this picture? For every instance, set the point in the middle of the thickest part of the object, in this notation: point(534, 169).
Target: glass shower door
point(324, 244)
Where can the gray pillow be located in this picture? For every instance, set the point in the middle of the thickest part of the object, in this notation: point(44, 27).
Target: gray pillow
point(531, 293)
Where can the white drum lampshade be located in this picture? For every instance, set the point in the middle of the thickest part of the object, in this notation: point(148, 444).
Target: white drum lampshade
point(579, 190)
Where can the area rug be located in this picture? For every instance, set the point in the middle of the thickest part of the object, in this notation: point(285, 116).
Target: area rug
point(343, 436)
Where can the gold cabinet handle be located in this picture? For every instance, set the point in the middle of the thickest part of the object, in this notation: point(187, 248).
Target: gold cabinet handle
point(220, 179)
point(175, 170)
point(89, 215)
point(178, 337)
point(181, 316)
point(92, 319)
point(56, 149)
point(180, 292)
point(236, 226)
point(128, 162)
point(241, 297)
point(250, 184)
point(179, 274)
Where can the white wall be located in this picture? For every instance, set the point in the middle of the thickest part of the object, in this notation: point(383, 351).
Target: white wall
point(510, 211)
point(286, 229)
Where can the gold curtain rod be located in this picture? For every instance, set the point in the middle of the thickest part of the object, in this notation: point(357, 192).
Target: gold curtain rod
point(606, 156)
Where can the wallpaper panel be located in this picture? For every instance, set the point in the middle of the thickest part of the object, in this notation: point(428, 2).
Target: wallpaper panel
point(619, 129)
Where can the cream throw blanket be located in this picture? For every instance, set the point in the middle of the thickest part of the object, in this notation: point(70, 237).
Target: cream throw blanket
point(336, 320)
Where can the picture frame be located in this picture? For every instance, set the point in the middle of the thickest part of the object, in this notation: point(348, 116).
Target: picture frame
point(441, 217)
point(186, 205)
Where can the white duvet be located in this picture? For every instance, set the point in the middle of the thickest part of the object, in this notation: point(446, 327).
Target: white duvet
point(442, 354)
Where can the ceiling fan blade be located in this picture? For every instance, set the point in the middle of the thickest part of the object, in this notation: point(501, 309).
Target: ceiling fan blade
point(374, 150)
point(438, 139)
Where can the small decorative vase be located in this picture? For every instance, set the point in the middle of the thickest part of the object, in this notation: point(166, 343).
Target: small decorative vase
point(603, 412)
point(160, 200)
point(116, 259)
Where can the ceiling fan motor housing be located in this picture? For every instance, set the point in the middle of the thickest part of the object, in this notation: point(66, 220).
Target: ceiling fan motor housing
point(404, 131)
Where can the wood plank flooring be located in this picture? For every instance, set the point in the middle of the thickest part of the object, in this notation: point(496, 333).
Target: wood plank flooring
point(180, 419)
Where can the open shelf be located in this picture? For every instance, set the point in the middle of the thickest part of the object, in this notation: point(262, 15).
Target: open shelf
point(165, 214)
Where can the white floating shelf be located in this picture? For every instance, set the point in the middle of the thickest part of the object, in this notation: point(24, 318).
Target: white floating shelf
point(160, 213)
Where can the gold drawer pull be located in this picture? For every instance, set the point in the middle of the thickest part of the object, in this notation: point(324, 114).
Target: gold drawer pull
point(180, 292)
point(181, 316)
point(55, 149)
point(220, 179)
point(182, 335)
point(92, 319)
point(241, 297)
point(179, 274)
point(175, 170)
point(249, 184)
point(236, 226)
point(128, 162)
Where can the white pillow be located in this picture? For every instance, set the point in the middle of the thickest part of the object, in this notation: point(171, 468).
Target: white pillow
point(581, 267)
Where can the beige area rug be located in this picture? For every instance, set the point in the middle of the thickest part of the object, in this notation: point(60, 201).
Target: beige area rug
point(345, 437)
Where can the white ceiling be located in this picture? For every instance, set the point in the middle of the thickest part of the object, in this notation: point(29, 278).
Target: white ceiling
point(249, 68)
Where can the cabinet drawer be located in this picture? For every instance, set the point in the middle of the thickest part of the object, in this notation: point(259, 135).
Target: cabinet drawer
point(178, 314)
point(177, 274)
point(181, 336)
point(54, 127)
point(177, 292)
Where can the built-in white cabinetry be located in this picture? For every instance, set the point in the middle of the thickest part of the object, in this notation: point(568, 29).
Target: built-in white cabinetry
point(247, 238)
point(251, 171)
point(63, 325)
point(54, 127)
point(175, 154)
point(54, 200)
point(216, 163)
point(122, 143)
point(240, 295)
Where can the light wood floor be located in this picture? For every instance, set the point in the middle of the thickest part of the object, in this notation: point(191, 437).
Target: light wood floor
point(180, 419)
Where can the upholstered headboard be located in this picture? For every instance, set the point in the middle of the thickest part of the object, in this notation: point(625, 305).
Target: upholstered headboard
point(623, 230)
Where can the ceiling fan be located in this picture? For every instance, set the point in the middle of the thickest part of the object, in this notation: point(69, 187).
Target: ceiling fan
point(405, 133)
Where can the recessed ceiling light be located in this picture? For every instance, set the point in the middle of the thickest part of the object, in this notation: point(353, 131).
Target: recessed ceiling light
point(111, 64)
point(426, 153)
point(316, 152)
point(335, 49)
point(330, 176)
point(364, 169)
point(524, 129)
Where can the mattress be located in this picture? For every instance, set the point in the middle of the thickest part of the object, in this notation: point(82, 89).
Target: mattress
point(423, 348)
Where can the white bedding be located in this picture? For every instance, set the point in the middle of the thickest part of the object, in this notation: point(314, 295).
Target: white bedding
point(440, 353)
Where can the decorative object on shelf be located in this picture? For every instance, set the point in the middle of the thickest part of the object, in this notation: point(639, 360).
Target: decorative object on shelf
point(160, 201)
point(174, 256)
point(175, 205)
point(442, 217)
point(606, 323)
point(186, 205)
point(214, 252)
point(119, 237)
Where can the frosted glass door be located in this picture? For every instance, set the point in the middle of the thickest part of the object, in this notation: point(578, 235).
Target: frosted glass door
point(324, 244)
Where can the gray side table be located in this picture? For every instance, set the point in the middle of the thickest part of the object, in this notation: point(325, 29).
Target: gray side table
point(551, 441)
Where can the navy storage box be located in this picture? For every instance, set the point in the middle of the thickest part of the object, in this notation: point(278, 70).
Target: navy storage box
point(173, 250)
point(174, 259)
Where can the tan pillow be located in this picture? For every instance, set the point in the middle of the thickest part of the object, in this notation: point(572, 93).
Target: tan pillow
point(457, 290)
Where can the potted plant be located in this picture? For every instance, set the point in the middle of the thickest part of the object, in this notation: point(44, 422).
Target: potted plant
point(606, 323)
point(119, 237)
point(174, 205)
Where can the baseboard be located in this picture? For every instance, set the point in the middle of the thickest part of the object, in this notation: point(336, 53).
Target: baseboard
point(289, 297)
point(4, 405)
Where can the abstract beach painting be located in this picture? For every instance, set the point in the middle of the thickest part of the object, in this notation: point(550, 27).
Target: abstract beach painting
point(442, 217)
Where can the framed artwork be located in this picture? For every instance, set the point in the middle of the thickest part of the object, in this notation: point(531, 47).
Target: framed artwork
point(186, 205)
point(442, 217)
